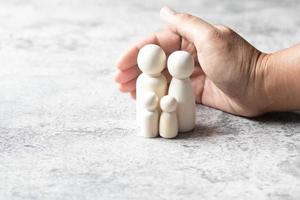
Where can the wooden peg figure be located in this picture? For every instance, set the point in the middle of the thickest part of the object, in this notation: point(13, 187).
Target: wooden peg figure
point(149, 115)
point(168, 123)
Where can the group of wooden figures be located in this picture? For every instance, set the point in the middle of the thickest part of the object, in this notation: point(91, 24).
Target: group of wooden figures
point(161, 109)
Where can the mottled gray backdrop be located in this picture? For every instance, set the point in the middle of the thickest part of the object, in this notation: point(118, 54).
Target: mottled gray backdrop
point(67, 133)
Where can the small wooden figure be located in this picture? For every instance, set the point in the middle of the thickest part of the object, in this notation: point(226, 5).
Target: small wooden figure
point(168, 124)
point(149, 115)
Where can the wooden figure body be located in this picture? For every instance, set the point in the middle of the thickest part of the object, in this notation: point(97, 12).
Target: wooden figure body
point(149, 116)
point(168, 123)
point(151, 61)
point(181, 66)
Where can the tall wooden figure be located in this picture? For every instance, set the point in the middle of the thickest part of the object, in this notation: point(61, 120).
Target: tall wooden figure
point(151, 61)
point(181, 66)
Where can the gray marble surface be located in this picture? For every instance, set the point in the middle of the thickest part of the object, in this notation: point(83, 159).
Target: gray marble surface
point(67, 133)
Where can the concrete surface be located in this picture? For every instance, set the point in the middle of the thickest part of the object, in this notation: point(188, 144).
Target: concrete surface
point(67, 133)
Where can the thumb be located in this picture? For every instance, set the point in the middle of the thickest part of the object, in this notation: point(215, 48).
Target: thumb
point(188, 26)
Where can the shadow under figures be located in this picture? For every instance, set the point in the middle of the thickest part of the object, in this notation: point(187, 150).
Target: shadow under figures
point(198, 132)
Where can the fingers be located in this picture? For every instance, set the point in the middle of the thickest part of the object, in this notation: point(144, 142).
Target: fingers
point(128, 87)
point(189, 47)
point(133, 94)
point(166, 73)
point(166, 39)
point(186, 25)
point(127, 80)
point(127, 64)
point(127, 75)
point(128, 58)
point(197, 71)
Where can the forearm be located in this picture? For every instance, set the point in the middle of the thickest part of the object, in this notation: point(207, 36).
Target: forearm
point(282, 80)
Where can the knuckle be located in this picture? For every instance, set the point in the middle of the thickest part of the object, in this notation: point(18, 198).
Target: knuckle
point(185, 16)
point(224, 29)
point(215, 40)
point(211, 35)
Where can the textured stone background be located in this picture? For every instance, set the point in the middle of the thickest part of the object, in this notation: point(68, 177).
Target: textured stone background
point(67, 133)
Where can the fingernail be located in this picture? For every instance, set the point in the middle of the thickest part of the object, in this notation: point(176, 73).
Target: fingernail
point(167, 11)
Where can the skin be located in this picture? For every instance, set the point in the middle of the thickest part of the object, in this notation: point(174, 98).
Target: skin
point(230, 74)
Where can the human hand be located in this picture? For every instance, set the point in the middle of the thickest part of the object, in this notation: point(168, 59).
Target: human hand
point(229, 73)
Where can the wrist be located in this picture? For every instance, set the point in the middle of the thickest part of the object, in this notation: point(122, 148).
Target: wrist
point(261, 85)
point(269, 85)
point(280, 83)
